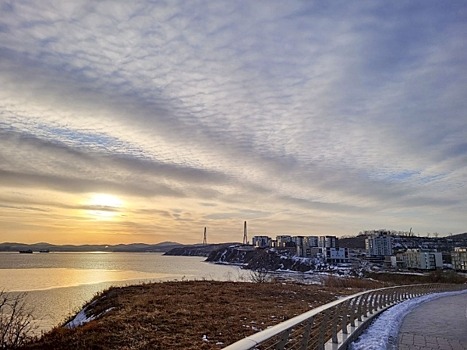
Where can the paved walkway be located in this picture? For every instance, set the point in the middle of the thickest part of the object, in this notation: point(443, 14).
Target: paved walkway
point(437, 324)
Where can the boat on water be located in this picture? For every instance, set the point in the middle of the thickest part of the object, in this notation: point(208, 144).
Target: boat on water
point(44, 251)
point(26, 251)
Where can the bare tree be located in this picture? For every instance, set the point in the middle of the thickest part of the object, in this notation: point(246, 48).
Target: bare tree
point(260, 275)
point(16, 321)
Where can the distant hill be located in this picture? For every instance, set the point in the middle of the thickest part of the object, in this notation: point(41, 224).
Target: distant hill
point(458, 236)
point(133, 247)
point(357, 242)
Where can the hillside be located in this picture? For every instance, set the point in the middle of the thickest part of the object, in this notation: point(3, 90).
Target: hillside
point(197, 249)
point(191, 315)
point(261, 259)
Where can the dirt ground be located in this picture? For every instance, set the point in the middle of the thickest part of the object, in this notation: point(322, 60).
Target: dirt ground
point(188, 315)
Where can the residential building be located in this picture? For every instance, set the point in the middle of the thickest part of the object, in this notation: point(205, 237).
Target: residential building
point(335, 255)
point(422, 260)
point(327, 242)
point(283, 241)
point(379, 244)
point(459, 259)
point(310, 241)
point(299, 245)
point(305, 245)
point(261, 241)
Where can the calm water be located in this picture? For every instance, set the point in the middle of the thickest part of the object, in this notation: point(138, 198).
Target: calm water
point(58, 284)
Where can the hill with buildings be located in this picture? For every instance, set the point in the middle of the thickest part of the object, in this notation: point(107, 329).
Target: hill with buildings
point(262, 259)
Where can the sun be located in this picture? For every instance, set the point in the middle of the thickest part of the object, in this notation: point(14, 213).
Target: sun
point(104, 206)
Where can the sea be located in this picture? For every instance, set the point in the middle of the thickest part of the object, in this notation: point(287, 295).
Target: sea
point(56, 285)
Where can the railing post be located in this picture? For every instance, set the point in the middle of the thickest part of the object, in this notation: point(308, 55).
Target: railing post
point(335, 317)
point(284, 339)
point(345, 317)
point(306, 334)
point(377, 301)
point(372, 303)
point(360, 307)
point(381, 299)
point(322, 329)
point(353, 311)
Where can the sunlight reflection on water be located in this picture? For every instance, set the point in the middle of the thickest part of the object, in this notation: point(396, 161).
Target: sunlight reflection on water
point(40, 278)
point(58, 284)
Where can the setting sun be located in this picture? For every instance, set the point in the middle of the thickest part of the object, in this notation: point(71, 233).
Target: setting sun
point(104, 206)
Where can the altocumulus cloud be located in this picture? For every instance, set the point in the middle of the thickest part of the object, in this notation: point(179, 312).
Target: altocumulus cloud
point(331, 116)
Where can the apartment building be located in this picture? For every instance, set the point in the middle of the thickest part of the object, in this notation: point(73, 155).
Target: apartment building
point(327, 242)
point(379, 244)
point(459, 259)
point(261, 241)
point(335, 255)
point(422, 260)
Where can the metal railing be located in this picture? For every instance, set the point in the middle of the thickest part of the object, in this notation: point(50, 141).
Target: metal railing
point(334, 325)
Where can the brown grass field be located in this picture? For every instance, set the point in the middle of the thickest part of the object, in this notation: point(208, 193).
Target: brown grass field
point(177, 315)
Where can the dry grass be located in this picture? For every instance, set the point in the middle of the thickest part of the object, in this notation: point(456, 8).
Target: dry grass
point(436, 276)
point(176, 315)
point(333, 281)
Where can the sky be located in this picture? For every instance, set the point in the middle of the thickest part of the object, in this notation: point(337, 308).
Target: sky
point(146, 121)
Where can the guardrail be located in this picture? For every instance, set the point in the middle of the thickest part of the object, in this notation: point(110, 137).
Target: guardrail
point(336, 324)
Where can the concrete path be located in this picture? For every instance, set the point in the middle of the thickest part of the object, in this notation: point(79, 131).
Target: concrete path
point(437, 324)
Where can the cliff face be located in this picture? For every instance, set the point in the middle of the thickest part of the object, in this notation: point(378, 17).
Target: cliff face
point(261, 259)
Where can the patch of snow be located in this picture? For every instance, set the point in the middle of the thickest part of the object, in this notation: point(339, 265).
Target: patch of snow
point(205, 338)
point(79, 319)
point(383, 332)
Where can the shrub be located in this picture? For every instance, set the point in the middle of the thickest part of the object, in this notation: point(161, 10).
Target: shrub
point(260, 275)
point(16, 324)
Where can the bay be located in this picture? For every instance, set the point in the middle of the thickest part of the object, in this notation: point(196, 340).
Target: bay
point(58, 284)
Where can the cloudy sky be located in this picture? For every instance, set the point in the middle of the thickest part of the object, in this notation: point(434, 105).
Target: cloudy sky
point(145, 121)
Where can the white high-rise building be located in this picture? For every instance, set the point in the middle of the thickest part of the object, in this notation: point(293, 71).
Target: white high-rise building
point(379, 244)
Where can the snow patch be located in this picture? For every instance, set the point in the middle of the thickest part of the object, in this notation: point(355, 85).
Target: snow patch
point(81, 318)
point(383, 332)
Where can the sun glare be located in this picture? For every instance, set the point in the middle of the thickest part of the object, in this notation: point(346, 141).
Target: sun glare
point(104, 206)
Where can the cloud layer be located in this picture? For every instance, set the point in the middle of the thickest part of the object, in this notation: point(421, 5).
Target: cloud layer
point(305, 118)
